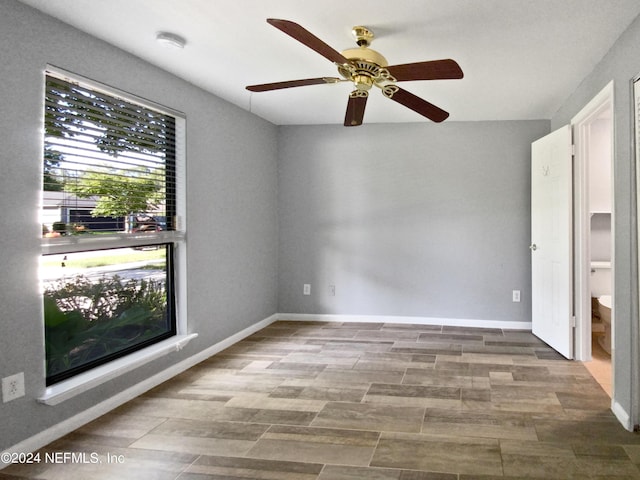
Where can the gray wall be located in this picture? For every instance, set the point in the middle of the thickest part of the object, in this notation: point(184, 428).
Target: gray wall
point(231, 202)
point(621, 64)
point(426, 220)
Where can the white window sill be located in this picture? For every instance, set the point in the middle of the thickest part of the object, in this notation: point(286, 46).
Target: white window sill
point(83, 382)
point(79, 243)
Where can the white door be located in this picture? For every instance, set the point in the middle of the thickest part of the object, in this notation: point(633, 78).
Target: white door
point(551, 240)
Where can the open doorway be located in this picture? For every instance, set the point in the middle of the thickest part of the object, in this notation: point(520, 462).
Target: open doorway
point(594, 237)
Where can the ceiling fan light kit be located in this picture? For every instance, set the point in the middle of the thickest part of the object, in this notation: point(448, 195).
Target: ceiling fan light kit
point(366, 68)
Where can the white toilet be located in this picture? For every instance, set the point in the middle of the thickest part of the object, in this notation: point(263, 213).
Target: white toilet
point(601, 291)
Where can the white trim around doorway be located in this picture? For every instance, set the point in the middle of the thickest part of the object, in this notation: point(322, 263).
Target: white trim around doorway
point(580, 124)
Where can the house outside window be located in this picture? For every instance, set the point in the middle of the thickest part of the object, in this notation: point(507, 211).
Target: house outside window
point(112, 222)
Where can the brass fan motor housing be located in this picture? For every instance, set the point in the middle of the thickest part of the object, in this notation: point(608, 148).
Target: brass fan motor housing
point(365, 63)
point(365, 54)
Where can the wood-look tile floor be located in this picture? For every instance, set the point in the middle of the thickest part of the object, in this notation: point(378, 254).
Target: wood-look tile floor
point(327, 401)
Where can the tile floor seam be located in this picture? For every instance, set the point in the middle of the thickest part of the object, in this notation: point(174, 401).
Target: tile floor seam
point(261, 436)
point(373, 451)
point(184, 470)
point(165, 420)
point(424, 418)
point(404, 375)
point(315, 415)
point(501, 456)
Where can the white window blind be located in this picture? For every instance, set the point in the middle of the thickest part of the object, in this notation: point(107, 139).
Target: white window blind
point(109, 162)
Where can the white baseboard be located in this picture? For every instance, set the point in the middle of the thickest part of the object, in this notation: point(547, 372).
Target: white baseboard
point(57, 431)
point(449, 322)
point(621, 414)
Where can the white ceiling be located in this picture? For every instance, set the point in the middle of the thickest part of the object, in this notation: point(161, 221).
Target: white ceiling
point(521, 58)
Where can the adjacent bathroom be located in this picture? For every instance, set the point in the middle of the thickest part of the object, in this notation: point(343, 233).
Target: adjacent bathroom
point(601, 245)
point(601, 280)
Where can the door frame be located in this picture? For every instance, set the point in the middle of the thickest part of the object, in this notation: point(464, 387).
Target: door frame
point(582, 224)
point(635, 345)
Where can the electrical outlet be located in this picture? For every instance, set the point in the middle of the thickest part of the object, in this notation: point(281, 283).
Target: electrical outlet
point(515, 296)
point(332, 290)
point(306, 289)
point(12, 387)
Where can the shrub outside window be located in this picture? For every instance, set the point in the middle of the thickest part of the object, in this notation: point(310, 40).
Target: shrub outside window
point(112, 168)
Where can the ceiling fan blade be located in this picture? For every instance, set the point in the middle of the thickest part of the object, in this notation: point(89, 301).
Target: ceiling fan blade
point(418, 105)
point(309, 39)
point(355, 110)
point(432, 70)
point(265, 87)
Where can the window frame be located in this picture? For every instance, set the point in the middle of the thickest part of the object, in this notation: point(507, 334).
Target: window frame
point(174, 240)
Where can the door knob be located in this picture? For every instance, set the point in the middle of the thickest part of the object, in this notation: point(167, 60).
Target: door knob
point(533, 247)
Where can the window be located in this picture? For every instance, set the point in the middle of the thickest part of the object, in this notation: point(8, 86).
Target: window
point(112, 197)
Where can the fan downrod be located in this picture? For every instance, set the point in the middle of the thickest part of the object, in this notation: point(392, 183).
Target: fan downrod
point(363, 35)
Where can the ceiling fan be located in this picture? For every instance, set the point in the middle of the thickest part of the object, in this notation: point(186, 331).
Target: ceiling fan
point(367, 68)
